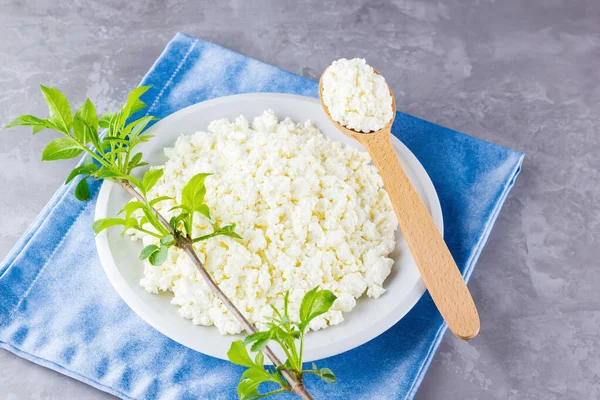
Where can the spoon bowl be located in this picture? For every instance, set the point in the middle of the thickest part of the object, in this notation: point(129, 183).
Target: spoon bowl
point(350, 132)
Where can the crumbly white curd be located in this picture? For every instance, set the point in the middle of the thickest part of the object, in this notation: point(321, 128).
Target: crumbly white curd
point(356, 96)
point(311, 212)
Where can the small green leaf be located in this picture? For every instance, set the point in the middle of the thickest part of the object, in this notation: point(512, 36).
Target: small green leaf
point(137, 106)
point(225, 231)
point(101, 224)
point(135, 161)
point(151, 177)
point(327, 375)
point(87, 169)
point(36, 129)
point(286, 302)
point(133, 104)
point(248, 388)
point(193, 193)
point(115, 140)
point(59, 108)
point(104, 121)
point(159, 257)
point(129, 224)
point(36, 123)
point(85, 123)
point(167, 240)
point(180, 207)
point(315, 302)
point(82, 190)
point(260, 358)
point(204, 210)
point(130, 208)
point(61, 149)
point(148, 251)
point(139, 126)
point(109, 174)
point(157, 200)
point(238, 354)
point(258, 339)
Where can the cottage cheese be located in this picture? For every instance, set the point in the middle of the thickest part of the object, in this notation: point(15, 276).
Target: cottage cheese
point(310, 211)
point(356, 96)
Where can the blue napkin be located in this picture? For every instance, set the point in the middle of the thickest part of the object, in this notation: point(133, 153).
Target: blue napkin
point(58, 309)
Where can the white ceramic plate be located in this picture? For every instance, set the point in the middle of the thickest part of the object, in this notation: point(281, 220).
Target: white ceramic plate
point(370, 318)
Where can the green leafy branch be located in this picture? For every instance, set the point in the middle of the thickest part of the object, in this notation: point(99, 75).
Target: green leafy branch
point(112, 156)
point(286, 334)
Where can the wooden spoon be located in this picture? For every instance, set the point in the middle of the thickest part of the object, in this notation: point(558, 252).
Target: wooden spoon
point(438, 269)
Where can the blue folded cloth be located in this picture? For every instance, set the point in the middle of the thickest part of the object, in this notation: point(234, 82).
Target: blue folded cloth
point(58, 309)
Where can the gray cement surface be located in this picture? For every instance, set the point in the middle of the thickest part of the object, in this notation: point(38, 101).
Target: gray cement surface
point(523, 74)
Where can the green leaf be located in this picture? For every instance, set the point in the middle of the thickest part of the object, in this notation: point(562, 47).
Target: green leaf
point(260, 358)
point(150, 178)
point(249, 382)
point(109, 174)
point(129, 224)
point(104, 121)
point(138, 126)
point(58, 106)
point(82, 190)
point(286, 302)
point(133, 104)
point(87, 169)
point(114, 126)
point(101, 224)
point(176, 220)
point(61, 149)
point(138, 106)
point(130, 208)
point(238, 354)
point(35, 122)
point(193, 193)
point(258, 339)
point(314, 303)
point(225, 231)
point(157, 200)
point(167, 240)
point(115, 140)
point(135, 128)
point(85, 123)
point(204, 210)
point(327, 375)
point(148, 251)
point(135, 161)
point(159, 257)
point(180, 207)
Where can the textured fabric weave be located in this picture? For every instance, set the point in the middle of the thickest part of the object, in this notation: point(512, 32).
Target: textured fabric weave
point(58, 309)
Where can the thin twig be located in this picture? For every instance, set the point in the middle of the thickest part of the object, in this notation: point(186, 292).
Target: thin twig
point(296, 385)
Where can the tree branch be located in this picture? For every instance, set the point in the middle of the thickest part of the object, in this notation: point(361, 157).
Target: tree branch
point(296, 385)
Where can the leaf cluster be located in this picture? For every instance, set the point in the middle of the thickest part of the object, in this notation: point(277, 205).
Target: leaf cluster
point(112, 156)
point(290, 337)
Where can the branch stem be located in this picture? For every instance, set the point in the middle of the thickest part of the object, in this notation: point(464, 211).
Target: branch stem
point(296, 384)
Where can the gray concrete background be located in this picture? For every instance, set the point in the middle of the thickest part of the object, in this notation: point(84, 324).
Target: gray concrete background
point(523, 74)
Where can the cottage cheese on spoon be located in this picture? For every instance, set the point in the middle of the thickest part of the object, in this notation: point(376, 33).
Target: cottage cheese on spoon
point(356, 96)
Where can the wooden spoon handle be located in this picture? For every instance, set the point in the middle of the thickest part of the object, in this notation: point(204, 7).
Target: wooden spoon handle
point(438, 269)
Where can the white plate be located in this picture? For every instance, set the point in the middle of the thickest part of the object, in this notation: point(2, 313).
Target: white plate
point(370, 318)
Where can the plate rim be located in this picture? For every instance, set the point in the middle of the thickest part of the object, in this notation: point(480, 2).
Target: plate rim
point(111, 270)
